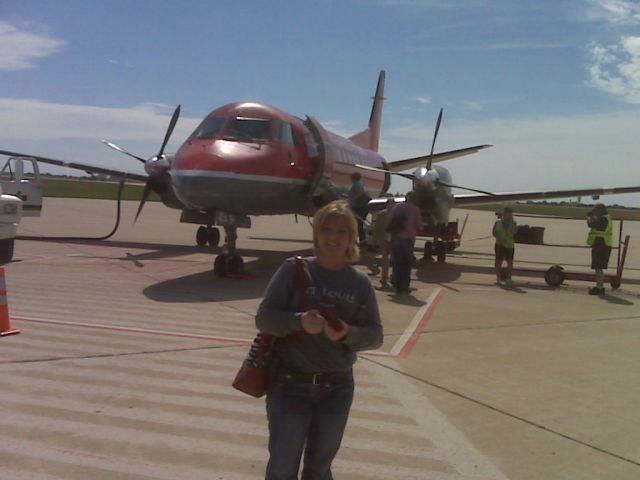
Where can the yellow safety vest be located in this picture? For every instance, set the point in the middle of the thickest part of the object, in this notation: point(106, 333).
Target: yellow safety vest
point(607, 234)
point(507, 238)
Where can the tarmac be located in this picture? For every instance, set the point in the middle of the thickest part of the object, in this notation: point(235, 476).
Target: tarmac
point(128, 346)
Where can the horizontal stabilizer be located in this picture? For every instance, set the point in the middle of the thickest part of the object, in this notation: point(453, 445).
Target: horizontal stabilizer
point(400, 165)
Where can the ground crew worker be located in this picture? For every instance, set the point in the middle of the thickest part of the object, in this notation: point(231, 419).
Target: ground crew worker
point(504, 231)
point(359, 202)
point(600, 239)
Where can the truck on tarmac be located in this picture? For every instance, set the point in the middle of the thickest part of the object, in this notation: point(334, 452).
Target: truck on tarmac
point(20, 195)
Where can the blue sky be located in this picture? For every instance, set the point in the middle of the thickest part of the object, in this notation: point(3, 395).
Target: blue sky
point(554, 85)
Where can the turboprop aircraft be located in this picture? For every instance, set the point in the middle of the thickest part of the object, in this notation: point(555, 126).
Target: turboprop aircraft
point(249, 158)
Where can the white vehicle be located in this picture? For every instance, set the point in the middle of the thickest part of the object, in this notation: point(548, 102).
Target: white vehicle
point(10, 214)
point(20, 177)
point(21, 194)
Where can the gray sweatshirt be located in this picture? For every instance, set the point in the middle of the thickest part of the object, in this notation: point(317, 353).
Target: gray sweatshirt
point(349, 289)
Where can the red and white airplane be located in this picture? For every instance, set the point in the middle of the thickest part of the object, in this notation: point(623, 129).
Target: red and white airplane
point(249, 158)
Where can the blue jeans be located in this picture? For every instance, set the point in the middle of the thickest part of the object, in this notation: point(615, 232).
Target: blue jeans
point(310, 418)
point(401, 261)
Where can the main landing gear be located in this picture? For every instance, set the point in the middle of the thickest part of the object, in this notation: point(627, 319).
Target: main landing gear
point(208, 234)
point(439, 249)
point(228, 262)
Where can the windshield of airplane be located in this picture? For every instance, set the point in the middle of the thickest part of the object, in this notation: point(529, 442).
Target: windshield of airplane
point(242, 128)
point(209, 128)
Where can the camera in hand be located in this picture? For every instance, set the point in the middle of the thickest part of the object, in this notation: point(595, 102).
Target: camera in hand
point(330, 314)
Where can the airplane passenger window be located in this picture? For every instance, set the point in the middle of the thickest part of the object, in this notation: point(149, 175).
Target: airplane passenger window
point(249, 129)
point(285, 133)
point(209, 128)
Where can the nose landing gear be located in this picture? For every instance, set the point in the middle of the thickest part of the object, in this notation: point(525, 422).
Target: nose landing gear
point(228, 262)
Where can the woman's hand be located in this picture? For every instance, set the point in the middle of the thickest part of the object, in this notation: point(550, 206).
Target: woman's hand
point(312, 322)
point(336, 335)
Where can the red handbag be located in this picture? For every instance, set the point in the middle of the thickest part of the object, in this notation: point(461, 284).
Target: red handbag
point(253, 376)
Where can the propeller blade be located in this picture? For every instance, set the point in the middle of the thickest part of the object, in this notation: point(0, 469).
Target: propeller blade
point(122, 150)
point(465, 188)
point(433, 143)
point(172, 125)
point(145, 195)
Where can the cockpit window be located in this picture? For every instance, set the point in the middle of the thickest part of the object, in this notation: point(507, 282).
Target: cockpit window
point(209, 128)
point(242, 128)
point(285, 133)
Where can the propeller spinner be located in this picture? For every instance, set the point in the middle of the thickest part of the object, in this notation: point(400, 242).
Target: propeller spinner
point(155, 166)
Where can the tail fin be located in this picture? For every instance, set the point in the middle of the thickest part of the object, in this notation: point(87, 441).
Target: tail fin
point(370, 137)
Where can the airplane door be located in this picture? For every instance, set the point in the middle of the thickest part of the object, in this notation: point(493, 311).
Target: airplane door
point(21, 177)
point(287, 143)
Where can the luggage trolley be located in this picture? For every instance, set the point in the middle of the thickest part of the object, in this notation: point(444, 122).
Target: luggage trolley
point(556, 275)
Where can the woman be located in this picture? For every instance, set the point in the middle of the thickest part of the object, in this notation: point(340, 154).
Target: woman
point(310, 395)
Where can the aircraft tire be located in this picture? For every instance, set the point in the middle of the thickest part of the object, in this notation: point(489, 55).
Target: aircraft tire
point(235, 265)
point(220, 265)
point(213, 237)
point(6, 251)
point(441, 251)
point(201, 236)
point(554, 276)
point(428, 251)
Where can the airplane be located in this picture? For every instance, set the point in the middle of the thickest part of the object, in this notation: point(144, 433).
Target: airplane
point(248, 158)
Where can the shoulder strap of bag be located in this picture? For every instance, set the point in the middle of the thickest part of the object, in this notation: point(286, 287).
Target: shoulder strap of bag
point(301, 282)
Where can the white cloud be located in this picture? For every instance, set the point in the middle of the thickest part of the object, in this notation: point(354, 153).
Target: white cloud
point(422, 100)
point(515, 45)
point(22, 119)
point(615, 69)
point(473, 105)
point(20, 48)
point(615, 12)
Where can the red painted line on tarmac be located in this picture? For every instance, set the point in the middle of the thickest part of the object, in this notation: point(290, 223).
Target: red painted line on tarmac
point(98, 326)
point(403, 353)
point(424, 321)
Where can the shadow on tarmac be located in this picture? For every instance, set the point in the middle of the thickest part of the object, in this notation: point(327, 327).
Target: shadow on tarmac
point(207, 287)
point(615, 300)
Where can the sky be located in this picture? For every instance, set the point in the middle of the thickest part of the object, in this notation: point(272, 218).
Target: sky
point(553, 85)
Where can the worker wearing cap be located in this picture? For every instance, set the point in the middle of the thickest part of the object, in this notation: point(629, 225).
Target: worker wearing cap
point(600, 239)
point(504, 231)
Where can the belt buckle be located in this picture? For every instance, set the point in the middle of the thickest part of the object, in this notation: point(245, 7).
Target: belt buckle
point(314, 379)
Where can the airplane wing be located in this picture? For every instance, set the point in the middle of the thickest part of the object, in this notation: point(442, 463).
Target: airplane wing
point(400, 165)
point(474, 199)
point(80, 166)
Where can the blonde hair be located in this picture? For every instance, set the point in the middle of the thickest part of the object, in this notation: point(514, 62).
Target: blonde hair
point(338, 208)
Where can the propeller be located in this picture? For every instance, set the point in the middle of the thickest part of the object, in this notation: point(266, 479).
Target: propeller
point(433, 143)
point(122, 150)
point(148, 185)
point(430, 160)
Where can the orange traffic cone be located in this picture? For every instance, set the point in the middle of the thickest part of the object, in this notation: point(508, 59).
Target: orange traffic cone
point(5, 327)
